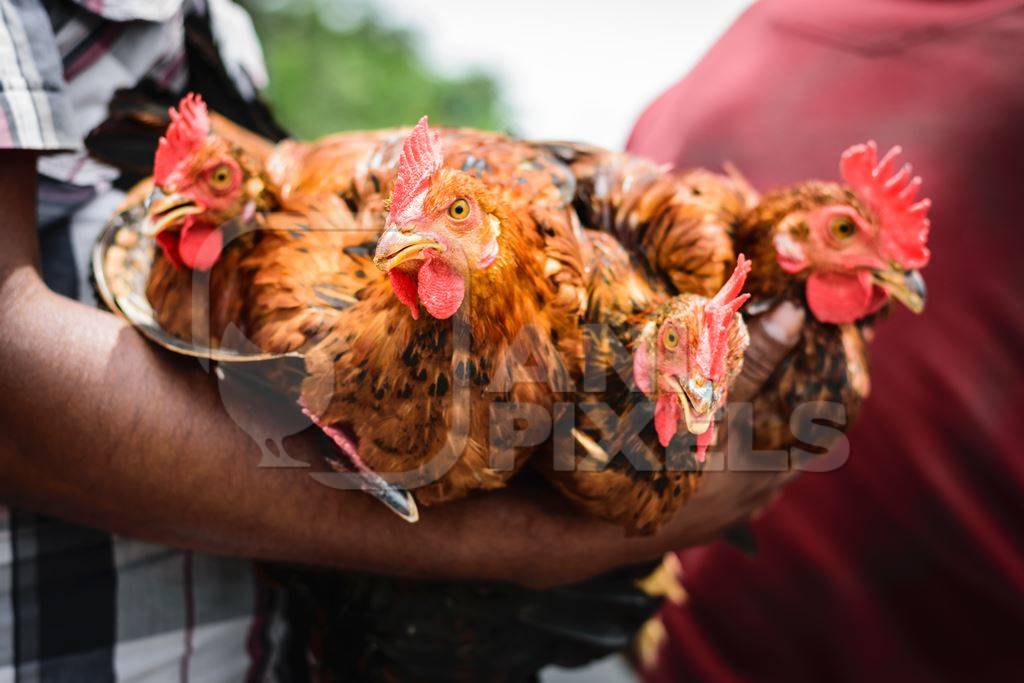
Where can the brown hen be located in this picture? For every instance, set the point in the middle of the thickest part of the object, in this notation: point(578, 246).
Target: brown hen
point(218, 188)
point(407, 389)
point(842, 251)
point(643, 345)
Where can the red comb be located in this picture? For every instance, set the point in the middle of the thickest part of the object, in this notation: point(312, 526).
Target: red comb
point(718, 314)
point(190, 124)
point(904, 221)
point(420, 159)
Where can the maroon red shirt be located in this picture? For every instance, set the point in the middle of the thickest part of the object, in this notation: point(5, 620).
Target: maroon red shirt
point(907, 563)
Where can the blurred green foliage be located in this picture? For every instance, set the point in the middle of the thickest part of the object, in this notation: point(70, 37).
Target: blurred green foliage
point(334, 65)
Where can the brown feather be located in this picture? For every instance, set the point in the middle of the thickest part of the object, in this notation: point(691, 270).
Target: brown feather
point(829, 362)
point(680, 224)
point(616, 474)
point(198, 307)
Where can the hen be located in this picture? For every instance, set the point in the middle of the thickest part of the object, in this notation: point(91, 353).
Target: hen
point(217, 186)
point(683, 353)
point(204, 178)
point(843, 251)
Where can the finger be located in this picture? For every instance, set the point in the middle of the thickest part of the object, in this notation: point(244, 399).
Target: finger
point(772, 336)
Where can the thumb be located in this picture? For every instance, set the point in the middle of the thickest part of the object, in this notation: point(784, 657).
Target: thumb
point(772, 335)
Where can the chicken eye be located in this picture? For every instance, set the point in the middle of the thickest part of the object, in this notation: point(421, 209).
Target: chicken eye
point(671, 339)
point(220, 178)
point(843, 228)
point(459, 210)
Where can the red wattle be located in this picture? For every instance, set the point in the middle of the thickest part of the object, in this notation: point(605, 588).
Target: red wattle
point(441, 289)
point(168, 241)
point(843, 297)
point(405, 288)
point(703, 441)
point(200, 245)
point(666, 418)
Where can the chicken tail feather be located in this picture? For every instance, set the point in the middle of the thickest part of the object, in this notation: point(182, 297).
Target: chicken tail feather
point(396, 498)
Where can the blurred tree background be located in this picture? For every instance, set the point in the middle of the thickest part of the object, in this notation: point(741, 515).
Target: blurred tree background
point(335, 65)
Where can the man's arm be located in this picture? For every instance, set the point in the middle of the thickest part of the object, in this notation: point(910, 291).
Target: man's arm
point(99, 427)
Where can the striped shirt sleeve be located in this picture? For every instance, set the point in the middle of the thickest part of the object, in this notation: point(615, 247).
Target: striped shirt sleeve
point(34, 109)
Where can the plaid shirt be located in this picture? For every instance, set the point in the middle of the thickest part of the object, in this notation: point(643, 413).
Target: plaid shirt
point(78, 604)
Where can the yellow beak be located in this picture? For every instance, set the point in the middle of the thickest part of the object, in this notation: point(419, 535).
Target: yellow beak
point(694, 424)
point(696, 402)
point(396, 246)
point(166, 211)
point(906, 286)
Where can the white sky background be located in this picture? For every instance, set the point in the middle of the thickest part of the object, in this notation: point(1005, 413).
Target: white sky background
point(569, 69)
